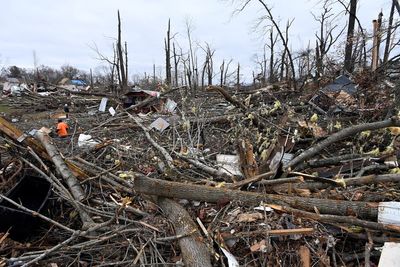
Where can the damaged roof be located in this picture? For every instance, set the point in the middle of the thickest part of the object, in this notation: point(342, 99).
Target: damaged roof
point(341, 83)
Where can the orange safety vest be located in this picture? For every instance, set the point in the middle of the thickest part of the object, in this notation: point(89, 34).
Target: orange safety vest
point(62, 129)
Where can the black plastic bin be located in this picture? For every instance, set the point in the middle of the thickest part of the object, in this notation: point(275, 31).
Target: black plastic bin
point(31, 192)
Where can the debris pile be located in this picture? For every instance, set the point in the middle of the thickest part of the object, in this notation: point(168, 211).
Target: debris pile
point(207, 178)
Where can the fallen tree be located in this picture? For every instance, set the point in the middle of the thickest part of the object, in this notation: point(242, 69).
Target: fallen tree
point(69, 178)
point(145, 185)
point(194, 250)
point(314, 150)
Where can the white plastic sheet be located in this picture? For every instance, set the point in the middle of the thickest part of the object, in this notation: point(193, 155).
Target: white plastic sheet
point(390, 256)
point(232, 262)
point(85, 140)
point(229, 164)
point(389, 213)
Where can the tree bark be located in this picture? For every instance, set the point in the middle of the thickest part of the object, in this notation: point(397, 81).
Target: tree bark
point(348, 63)
point(167, 43)
point(73, 184)
point(248, 162)
point(194, 250)
point(124, 83)
point(176, 62)
point(396, 3)
point(145, 185)
point(389, 34)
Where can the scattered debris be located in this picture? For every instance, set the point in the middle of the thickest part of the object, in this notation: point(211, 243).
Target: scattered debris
point(390, 256)
point(160, 124)
point(103, 104)
point(310, 184)
point(229, 164)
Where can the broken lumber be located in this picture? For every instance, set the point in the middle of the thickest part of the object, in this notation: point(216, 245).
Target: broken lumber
point(278, 232)
point(18, 136)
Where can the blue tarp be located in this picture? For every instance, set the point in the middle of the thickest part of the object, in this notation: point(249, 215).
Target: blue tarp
point(78, 82)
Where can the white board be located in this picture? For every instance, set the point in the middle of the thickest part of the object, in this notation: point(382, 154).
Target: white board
point(103, 104)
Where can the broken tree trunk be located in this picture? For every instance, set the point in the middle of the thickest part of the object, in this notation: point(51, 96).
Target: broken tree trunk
point(194, 251)
point(248, 162)
point(73, 184)
point(168, 189)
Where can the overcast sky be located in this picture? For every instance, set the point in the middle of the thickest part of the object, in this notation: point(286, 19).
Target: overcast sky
point(62, 32)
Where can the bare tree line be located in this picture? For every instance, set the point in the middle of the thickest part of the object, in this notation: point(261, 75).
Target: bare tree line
point(337, 47)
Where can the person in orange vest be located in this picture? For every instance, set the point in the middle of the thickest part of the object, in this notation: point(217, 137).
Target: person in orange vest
point(62, 128)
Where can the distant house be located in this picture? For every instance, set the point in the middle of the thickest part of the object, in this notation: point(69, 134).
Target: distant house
point(136, 95)
point(78, 82)
point(335, 96)
point(13, 86)
point(74, 84)
point(341, 83)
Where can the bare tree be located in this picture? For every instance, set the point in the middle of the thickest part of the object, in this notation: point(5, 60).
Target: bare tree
point(285, 53)
point(238, 77)
point(221, 69)
point(69, 71)
point(111, 66)
point(121, 66)
point(167, 47)
point(208, 66)
point(325, 36)
point(126, 64)
point(305, 63)
point(192, 59)
point(376, 41)
point(271, 45)
point(397, 4)
point(176, 63)
point(348, 63)
point(389, 33)
point(226, 75)
point(283, 39)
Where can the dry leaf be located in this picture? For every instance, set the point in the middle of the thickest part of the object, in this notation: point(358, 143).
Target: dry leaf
point(303, 192)
point(250, 217)
point(260, 246)
point(394, 130)
point(126, 201)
